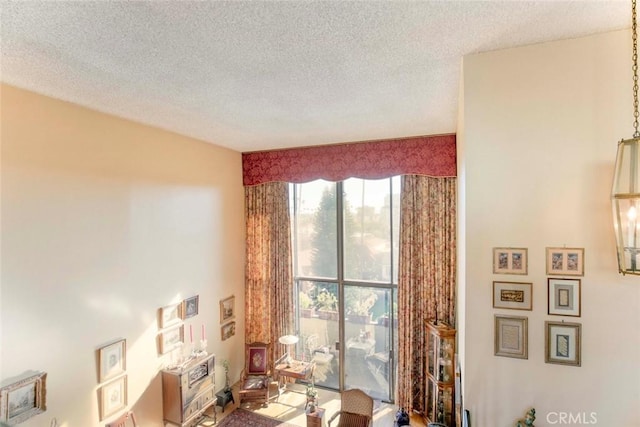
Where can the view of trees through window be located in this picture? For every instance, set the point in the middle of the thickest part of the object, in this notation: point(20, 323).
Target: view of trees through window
point(345, 244)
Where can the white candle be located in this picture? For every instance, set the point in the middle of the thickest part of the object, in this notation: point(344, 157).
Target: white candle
point(191, 333)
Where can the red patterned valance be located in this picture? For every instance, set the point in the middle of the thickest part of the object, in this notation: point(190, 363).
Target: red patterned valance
point(422, 155)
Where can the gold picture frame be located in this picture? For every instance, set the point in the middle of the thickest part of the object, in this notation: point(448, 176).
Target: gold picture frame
point(112, 360)
point(512, 295)
point(23, 398)
point(170, 315)
point(227, 309)
point(113, 397)
point(170, 339)
point(510, 261)
point(562, 343)
point(565, 261)
point(228, 330)
point(511, 336)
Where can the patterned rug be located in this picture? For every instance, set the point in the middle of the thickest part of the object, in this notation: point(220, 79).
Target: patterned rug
point(244, 418)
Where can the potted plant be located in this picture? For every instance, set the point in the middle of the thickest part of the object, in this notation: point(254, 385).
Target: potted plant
point(306, 305)
point(312, 397)
point(225, 365)
point(359, 304)
point(327, 305)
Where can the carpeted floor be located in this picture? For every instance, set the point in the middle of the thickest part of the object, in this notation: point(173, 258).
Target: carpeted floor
point(243, 418)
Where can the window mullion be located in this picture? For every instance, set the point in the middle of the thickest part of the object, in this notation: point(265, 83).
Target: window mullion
point(340, 252)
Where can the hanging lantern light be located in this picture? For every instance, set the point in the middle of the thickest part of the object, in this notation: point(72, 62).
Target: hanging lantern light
point(625, 194)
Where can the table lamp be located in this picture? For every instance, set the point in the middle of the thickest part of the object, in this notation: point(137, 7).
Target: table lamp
point(288, 340)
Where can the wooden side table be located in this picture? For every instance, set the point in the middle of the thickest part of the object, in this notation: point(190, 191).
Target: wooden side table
point(315, 418)
point(224, 397)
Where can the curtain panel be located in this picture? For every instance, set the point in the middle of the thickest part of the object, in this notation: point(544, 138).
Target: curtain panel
point(422, 155)
point(427, 276)
point(268, 269)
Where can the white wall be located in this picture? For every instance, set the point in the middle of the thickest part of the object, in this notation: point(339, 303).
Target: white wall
point(541, 124)
point(104, 221)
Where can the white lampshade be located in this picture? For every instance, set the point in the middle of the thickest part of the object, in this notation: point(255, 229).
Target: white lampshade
point(288, 339)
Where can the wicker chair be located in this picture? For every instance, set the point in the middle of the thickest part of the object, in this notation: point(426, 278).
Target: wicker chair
point(122, 420)
point(356, 409)
point(256, 376)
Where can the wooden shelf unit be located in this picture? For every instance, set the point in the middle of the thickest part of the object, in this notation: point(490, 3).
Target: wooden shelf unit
point(440, 392)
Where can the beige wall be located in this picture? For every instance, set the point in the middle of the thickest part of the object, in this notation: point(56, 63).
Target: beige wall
point(103, 222)
point(540, 127)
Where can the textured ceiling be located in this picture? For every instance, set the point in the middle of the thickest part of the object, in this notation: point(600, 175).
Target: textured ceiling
point(259, 75)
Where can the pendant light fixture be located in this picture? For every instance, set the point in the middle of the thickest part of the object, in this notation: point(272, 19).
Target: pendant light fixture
point(625, 195)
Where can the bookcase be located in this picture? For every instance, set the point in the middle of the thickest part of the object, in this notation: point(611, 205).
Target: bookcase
point(440, 392)
point(188, 391)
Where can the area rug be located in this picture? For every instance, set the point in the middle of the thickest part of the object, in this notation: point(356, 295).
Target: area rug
point(243, 418)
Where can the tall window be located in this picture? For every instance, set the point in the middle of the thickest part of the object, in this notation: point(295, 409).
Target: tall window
point(345, 254)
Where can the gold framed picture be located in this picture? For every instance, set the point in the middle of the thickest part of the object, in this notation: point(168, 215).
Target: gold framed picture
point(228, 330)
point(562, 343)
point(510, 261)
point(170, 339)
point(565, 261)
point(23, 399)
point(227, 309)
point(511, 336)
point(112, 360)
point(170, 315)
point(512, 295)
point(113, 397)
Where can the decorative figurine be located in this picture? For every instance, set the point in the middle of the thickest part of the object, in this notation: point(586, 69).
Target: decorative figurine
point(529, 418)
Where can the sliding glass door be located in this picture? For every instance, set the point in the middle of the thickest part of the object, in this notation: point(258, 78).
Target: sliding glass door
point(345, 238)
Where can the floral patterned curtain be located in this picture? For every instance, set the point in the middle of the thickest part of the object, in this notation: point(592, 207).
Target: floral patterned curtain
point(268, 275)
point(433, 155)
point(427, 280)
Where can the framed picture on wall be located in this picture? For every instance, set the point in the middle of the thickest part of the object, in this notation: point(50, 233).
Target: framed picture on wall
point(190, 307)
point(170, 339)
point(565, 261)
point(228, 330)
point(562, 343)
point(512, 295)
point(563, 297)
point(112, 360)
point(511, 336)
point(170, 315)
point(510, 261)
point(113, 397)
point(23, 399)
point(227, 309)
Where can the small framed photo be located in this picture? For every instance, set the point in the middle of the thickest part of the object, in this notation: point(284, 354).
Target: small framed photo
point(562, 343)
point(510, 261)
point(512, 295)
point(170, 315)
point(171, 338)
point(23, 399)
point(228, 330)
point(564, 297)
point(113, 397)
point(112, 360)
point(190, 307)
point(511, 336)
point(227, 309)
point(565, 261)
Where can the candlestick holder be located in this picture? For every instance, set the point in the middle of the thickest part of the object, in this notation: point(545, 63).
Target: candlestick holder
point(203, 347)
